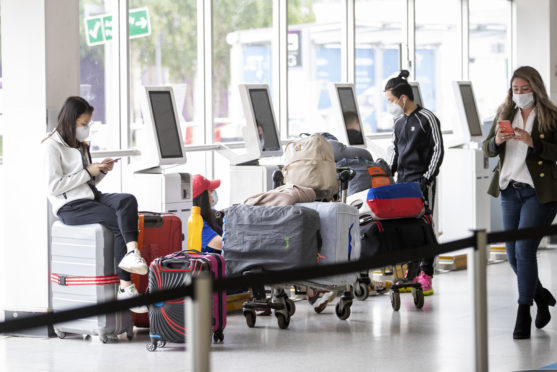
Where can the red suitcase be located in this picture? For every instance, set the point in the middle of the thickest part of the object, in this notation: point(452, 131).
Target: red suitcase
point(167, 318)
point(159, 235)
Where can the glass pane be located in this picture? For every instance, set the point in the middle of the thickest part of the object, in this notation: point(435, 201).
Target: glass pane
point(242, 53)
point(167, 56)
point(438, 56)
point(378, 39)
point(95, 69)
point(489, 52)
point(314, 34)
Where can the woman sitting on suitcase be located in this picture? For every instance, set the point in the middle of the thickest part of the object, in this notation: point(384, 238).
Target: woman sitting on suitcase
point(205, 197)
point(75, 199)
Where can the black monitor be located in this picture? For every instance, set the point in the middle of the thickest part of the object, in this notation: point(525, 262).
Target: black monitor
point(264, 120)
point(470, 109)
point(417, 93)
point(166, 125)
point(350, 115)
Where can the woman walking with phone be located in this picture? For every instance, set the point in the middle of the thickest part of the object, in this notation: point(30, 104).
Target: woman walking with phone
point(524, 136)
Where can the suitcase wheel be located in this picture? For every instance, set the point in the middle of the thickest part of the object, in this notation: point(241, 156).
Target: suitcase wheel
point(151, 346)
point(60, 334)
point(103, 338)
point(129, 334)
point(218, 336)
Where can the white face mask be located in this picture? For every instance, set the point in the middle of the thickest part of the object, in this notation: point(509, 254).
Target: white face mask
point(523, 101)
point(81, 133)
point(215, 198)
point(395, 109)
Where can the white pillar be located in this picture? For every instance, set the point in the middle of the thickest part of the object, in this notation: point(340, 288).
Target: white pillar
point(40, 62)
point(535, 39)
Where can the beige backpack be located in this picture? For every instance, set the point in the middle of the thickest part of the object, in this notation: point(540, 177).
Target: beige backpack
point(310, 162)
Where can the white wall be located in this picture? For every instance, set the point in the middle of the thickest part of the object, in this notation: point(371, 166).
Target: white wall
point(40, 50)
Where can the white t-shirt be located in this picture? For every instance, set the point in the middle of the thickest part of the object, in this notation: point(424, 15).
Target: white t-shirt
point(514, 165)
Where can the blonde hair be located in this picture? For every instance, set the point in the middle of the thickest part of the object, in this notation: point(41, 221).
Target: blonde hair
point(546, 111)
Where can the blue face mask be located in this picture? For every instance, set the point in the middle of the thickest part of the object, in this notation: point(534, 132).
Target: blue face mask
point(215, 198)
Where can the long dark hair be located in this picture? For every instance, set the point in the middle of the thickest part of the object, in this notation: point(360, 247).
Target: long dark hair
point(399, 85)
point(546, 111)
point(72, 109)
point(202, 201)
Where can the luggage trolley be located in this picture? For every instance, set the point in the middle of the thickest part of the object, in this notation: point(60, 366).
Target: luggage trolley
point(279, 301)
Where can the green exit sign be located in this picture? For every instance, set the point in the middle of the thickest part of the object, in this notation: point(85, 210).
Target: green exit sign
point(99, 28)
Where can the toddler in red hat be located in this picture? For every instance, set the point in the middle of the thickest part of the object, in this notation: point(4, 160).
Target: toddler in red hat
point(205, 197)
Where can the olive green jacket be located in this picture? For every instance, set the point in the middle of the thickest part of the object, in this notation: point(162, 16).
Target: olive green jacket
point(540, 160)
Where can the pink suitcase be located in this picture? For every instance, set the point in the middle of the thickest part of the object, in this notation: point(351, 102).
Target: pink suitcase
point(166, 319)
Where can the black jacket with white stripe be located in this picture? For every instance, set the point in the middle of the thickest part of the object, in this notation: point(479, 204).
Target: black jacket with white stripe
point(418, 147)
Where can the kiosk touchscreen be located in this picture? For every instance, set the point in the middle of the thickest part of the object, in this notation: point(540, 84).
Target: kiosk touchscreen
point(156, 186)
point(464, 202)
point(260, 131)
point(261, 141)
point(469, 118)
point(162, 140)
point(417, 93)
point(350, 131)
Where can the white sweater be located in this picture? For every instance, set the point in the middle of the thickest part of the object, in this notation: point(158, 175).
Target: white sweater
point(66, 177)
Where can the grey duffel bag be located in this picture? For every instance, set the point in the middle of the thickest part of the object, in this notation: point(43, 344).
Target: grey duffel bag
point(270, 238)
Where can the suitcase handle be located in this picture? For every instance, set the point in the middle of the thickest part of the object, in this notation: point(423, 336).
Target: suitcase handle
point(151, 219)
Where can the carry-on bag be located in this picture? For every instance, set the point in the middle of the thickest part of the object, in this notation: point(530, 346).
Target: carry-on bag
point(83, 273)
point(310, 162)
point(368, 174)
point(159, 235)
point(400, 200)
point(166, 319)
point(270, 238)
point(340, 233)
point(396, 234)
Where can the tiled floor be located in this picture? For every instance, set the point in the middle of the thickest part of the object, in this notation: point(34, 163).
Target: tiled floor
point(437, 338)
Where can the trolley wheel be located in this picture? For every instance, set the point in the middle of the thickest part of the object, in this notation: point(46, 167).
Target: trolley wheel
point(395, 300)
point(60, 334)
point(290, 307)
point(86, 337)
point(151, 346)
point(103, 338)
point(343, 312)
point(250, 318)
point(361, 291)
point(161, 344)
point(283, 321)
point(218, 336)
point(418, 295)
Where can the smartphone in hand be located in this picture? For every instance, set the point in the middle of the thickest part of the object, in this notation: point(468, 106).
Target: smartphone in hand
point(112, 161)
point(505, 126)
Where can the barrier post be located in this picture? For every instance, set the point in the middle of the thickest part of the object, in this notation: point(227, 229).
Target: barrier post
point(198, 324)
point(478, 277)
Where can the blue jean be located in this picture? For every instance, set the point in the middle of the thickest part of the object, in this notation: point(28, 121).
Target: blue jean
point(521, 209)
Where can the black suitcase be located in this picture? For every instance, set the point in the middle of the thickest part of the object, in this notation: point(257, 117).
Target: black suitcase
point(396, 234)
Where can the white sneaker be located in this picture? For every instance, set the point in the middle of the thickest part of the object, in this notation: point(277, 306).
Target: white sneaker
point(130, 292)
point(134, 263)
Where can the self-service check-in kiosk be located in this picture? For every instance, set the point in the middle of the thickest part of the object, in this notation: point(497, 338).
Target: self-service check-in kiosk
point(248, 176)
point(155, 186)
point(464, 201)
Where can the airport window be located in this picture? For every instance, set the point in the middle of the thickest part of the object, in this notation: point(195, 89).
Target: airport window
point(489, 51)
point(165, 54)
point(242, 53)
point(378, 40)
point(438, 56)
point(96, 76)
point(314, 61)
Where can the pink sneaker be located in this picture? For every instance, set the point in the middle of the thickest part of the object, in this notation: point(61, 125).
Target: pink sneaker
point(426, 282)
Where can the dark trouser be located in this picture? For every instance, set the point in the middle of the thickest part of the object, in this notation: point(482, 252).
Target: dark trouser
point(521, 209)
point(426, 265)
point(116, 212)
